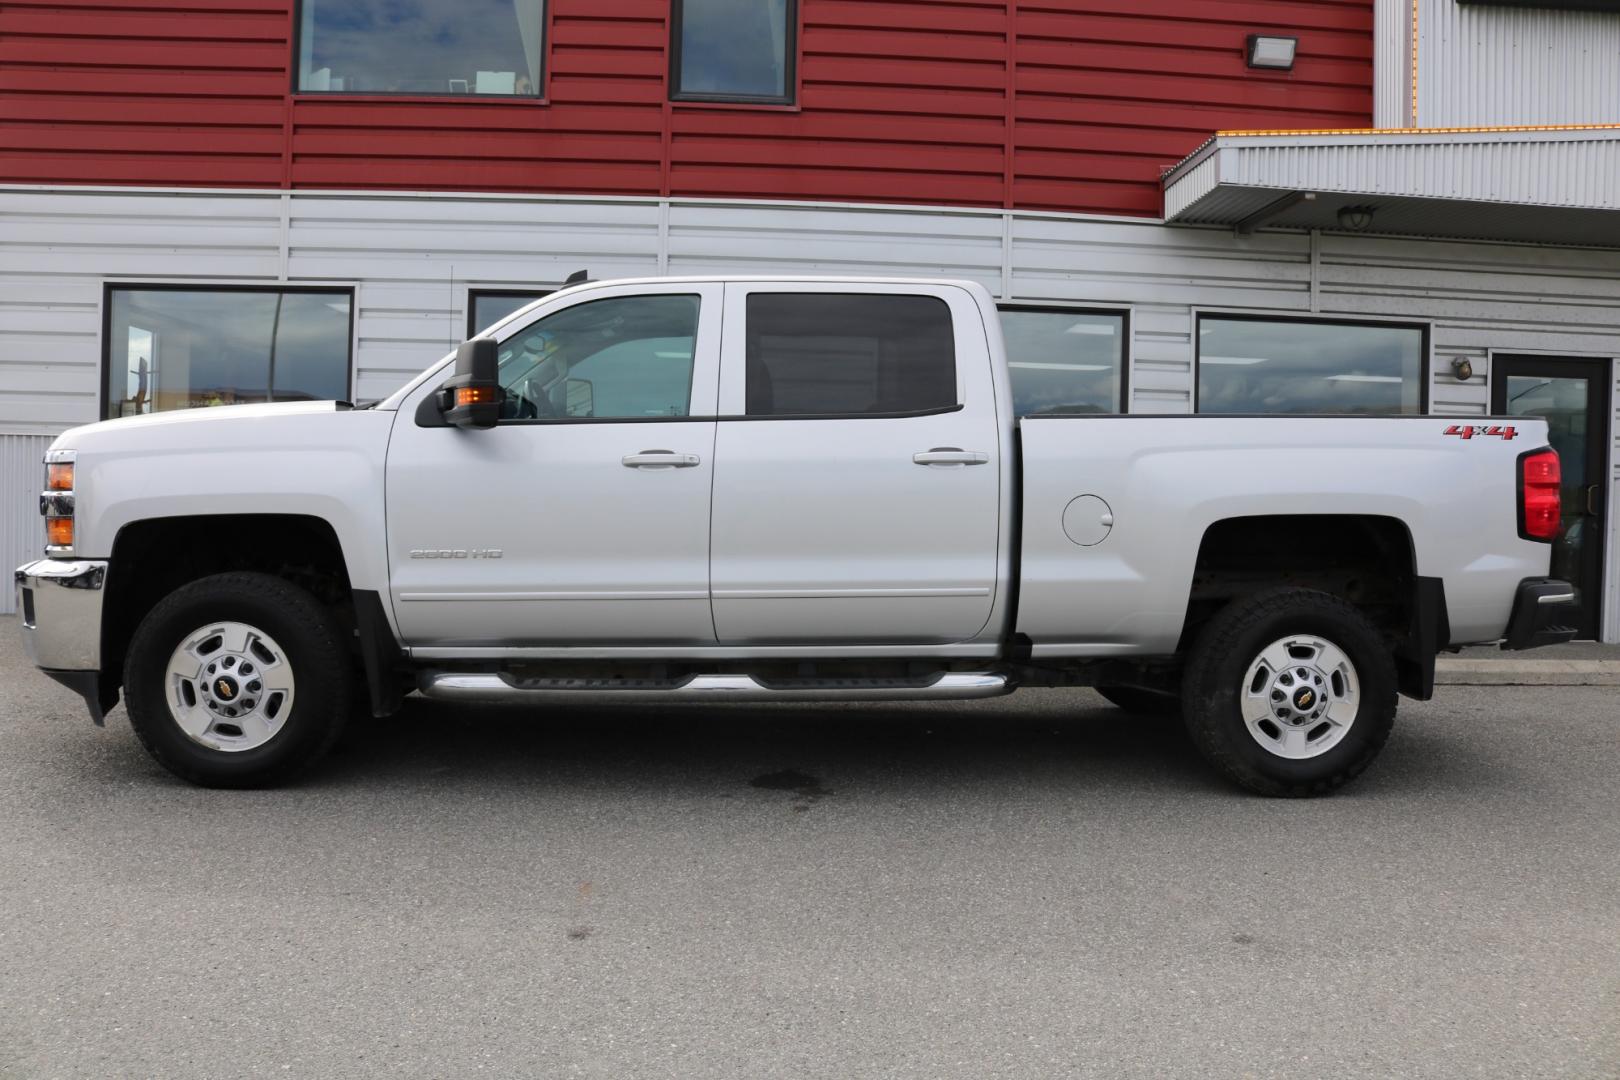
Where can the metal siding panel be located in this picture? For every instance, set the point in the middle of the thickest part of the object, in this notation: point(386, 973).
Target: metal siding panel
point(1392, 59)
point(1484, 64)
point(22, 538)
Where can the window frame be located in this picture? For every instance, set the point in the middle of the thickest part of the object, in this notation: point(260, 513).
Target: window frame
point(790, 65)
point(1125, 358)
point(1425, 358)
point(541, 95)
point(475, 294)
point(108, 287)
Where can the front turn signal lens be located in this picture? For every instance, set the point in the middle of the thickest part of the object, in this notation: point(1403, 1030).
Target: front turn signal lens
point(59, 531)
point(476, 395)
point(59, 476)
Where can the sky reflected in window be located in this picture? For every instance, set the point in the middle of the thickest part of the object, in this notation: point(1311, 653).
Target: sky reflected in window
point(1273, 366)
point(733, 48)
point(1064, 361)
point(420, 46)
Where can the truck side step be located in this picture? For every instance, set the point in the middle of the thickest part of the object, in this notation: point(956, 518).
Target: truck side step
point(480, 686)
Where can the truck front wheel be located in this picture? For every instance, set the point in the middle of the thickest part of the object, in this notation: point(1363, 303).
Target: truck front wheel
point(237, 680)
point(1290, 692)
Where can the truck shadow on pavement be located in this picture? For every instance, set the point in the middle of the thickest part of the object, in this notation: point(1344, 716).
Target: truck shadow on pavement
point(1035, 741)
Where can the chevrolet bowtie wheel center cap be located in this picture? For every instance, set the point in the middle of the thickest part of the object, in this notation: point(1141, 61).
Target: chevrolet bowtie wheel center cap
point(1300, 696)
point(229, 686)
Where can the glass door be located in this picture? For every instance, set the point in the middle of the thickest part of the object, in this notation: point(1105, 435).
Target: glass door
point(1572, 395)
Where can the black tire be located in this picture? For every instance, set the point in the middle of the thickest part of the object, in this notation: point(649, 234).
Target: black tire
point(314, 647)
point(1140, 702)
point(1233, 640)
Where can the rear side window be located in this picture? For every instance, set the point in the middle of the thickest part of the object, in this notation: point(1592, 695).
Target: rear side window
point(832, 354)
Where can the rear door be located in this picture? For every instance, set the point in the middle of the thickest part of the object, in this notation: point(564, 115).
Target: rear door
point(858, 467)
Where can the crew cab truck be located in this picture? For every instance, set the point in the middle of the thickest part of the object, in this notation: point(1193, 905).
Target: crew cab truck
point(773, 489)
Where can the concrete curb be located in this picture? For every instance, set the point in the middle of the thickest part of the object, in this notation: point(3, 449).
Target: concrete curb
point(1505, 672)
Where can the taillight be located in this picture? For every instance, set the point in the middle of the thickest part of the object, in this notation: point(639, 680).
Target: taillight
point(1540, 510)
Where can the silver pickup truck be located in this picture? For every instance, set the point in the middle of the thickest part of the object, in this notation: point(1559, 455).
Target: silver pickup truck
point(776, 489)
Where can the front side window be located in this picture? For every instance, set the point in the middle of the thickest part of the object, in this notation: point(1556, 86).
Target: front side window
point(845, 354)
point(733, 50)
point(1064, 362)
point(429, 47)
point(192, 348)
point(622, 358)
point(486, 307)
point(1248, 365)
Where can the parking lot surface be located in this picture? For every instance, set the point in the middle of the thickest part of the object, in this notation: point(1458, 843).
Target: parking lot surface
point(1036, 886)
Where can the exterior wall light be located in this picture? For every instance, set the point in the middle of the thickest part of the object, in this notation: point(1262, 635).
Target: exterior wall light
point(1355, 218)
point(1276, 53)
point(1461, 369)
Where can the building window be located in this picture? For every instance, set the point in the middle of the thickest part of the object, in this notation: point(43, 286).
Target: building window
point(1277, 365)
point(182, 348)
point(486, 307)
point(833, 354)
point(1064, 362)
point(733, 50)
point(448, 47)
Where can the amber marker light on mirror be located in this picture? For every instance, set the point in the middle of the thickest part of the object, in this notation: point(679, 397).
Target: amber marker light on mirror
point(475, 395)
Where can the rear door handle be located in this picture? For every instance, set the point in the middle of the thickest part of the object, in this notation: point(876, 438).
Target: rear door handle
point(660, 459)
point(950, 455)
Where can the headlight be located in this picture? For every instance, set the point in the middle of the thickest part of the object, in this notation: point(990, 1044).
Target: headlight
point(56, 502)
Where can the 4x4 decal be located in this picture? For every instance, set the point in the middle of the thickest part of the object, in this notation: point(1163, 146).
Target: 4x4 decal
point(1468, 431)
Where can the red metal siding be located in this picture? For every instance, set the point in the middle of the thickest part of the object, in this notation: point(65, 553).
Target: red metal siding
point(1031, 103)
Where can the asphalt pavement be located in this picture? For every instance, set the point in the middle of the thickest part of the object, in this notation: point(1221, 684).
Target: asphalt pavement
point(1036, 886)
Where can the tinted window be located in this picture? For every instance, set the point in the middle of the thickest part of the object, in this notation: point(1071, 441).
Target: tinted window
point(1064, 361)
point(449, 47)
point(627, 357)
point(1270, 366)
point(814, 354)
point(192, 348)
point(486, 308)
point(734, 50)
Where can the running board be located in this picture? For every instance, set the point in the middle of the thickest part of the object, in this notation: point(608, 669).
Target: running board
point(494, 686)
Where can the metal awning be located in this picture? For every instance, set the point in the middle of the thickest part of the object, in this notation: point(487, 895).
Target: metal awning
point(1552, 185)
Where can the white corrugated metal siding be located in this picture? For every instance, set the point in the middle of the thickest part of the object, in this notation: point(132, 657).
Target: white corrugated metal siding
point(22, 536)
point(412, 260)
point(1480, 64)
point(1392, 64)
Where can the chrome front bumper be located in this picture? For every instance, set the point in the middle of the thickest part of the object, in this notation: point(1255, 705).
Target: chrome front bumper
point(60, 601)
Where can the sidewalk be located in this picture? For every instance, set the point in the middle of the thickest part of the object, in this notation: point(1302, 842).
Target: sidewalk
point(1582, 663)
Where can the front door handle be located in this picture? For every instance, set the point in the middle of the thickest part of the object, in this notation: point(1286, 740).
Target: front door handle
point(950, 455)
point(660, 459)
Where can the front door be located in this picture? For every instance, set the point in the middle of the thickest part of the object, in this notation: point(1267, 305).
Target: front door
point(858, 467)
point(582, 517)
point(1572, 395)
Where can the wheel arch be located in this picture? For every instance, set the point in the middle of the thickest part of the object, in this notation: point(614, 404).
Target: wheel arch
point(151, 557)
point(1368, 560)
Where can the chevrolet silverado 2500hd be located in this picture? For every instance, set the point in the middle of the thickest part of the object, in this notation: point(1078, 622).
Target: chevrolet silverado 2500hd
point(776, 489)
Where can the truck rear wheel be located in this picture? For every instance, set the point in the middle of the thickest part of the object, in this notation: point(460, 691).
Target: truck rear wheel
point(237, 680)
point(1290, 692)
